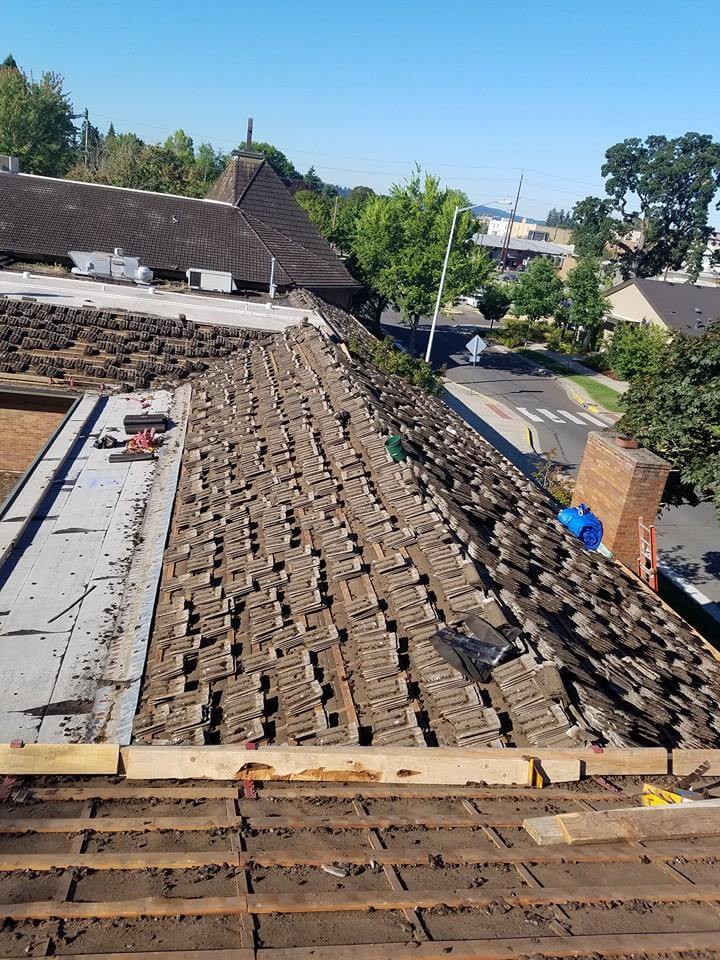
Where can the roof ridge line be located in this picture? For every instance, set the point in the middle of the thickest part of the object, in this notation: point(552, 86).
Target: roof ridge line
point(263, 244)
point(113, 186)
point(250, 181)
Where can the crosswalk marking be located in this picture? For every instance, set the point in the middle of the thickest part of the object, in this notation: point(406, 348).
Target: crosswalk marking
point(572, 417)
point(550, 415)
point(542, 414)
point(531, 416)
point(592, 419)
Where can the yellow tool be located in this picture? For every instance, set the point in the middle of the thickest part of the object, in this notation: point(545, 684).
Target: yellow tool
point(653, 796)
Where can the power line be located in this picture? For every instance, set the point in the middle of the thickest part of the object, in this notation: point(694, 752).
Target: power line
point(385, 160)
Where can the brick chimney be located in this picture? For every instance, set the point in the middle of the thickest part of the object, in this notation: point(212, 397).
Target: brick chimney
point(620, 485)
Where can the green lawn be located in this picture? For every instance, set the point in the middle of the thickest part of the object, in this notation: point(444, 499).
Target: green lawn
point(602, 394)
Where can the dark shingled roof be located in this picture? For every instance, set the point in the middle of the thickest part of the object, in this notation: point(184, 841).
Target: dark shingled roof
point(43, 216)
point(685, 307)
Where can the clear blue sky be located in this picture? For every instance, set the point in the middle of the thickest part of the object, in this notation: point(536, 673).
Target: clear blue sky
point(473, 90)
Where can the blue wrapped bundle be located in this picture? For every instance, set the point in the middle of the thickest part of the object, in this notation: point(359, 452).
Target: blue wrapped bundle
point(584, 524)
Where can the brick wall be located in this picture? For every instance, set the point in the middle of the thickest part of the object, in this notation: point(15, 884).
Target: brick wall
point(26, 423)
point(620, 485)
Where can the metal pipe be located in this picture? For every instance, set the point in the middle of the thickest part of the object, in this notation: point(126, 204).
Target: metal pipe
point(272, 278)
point(458, 210)
point(442, 283)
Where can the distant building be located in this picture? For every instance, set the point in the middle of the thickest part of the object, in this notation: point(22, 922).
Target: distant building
point(526, 230)
point(248, 219)
point(521, 251)
point(685, 307)
point(710, 273)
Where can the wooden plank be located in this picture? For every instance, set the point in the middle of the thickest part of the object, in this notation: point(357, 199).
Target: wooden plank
point(593, 945)
point(396, 856)
point(235, 953)
point(603, 945)
point(365, 900)
point(355, 764)
point(685, 762)
point(369, 791)
point(111, 860)
point(101, 792)
point(439, 765)
point(203, 824)
point(700, 818)
point(118, 824)
point(237, 847)
point(60, 758)
point(391, 875)
point(544, 830)
point(381, 822)
point(110, 909)
point(430, 899)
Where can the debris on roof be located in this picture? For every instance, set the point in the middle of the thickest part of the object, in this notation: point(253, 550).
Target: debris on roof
point(85, 349)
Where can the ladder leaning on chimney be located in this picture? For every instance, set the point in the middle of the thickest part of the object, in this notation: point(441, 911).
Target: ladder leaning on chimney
point(647, 560)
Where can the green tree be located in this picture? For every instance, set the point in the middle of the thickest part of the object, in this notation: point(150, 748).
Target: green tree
point(538, 290)
point(588, 306)
point(312, 181)
point(400, 247)
point(659, 193)
point(161, 170)
point(120, 163)
point(494, 301)
point(675, 410)
point(182, 146)
point(319, 210)
point(36, 121)
point(375, 244)
point(209, 164)
point(594, 227)
point(9, 62)
point(635, 349)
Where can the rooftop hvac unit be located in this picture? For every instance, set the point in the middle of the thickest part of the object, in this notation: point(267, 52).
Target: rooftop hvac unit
point(215, 280)
point(110, 266)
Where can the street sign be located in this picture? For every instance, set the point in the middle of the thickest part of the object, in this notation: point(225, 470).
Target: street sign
point(475, 347)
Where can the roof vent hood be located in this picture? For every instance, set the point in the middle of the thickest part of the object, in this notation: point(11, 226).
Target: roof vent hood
point(9, 164)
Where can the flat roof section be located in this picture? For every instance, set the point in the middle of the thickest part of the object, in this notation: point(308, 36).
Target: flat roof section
point(218, 311)
point(63, 583)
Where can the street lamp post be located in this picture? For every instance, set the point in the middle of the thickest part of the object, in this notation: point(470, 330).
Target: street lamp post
point(458, 211)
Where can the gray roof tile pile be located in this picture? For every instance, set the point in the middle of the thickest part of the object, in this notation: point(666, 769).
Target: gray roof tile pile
point(85, 348)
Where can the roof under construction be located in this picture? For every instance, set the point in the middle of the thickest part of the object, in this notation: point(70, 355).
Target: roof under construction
point(295, 576)
point(99, 867)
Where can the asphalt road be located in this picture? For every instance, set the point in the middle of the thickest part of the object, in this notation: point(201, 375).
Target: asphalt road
point(688, 537)
point(559, 423)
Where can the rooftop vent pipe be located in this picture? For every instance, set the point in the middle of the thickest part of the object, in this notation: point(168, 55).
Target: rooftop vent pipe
point(248, 138)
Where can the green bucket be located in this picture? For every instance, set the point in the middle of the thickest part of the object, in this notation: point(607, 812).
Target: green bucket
point(395, 448)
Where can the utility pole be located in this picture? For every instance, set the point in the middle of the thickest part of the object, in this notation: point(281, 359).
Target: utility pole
point(335, 210)
point(87, 124)
point(508, 232)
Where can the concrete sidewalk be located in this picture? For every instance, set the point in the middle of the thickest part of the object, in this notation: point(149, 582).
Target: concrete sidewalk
point(575, 366)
